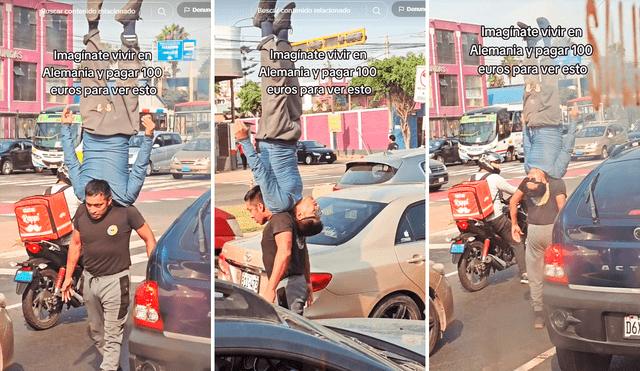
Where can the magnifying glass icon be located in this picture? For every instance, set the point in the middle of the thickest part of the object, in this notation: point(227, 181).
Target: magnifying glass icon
point(376, 10)
point(161, 11)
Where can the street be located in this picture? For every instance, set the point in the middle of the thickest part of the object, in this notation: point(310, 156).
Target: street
point(68, 345)
point(493, 328)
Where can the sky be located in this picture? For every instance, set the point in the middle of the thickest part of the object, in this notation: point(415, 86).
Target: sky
point(405, 34)
point(155, 16)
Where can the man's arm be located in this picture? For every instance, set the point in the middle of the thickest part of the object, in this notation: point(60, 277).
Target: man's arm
point(284, 241)
point(72, 260)
point(560, 199)
point(504, 186)
point(147, 236)
point(516, 232)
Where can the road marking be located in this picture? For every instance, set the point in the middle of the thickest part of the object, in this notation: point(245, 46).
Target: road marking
point(538, 360)
point(439, 246)
point(445, 232)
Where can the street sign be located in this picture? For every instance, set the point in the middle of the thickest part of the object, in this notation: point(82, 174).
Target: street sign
point(170, 50)
point(568, 60)
point(339, 40)
point(420, 94)
point(188, 50)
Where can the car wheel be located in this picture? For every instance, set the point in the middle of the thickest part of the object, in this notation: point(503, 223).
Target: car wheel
point(308, 160)
point(521, 159)
point(397, 306)
point(7, 167)
point(177, 176)
point(331, 162)
point(440, 159)
point(149, 169)
point(510, 155)
point(38, 169)
point(434, 326)
point(605, 152)
point(434, 188)
point(571, 360)
point(464, 162)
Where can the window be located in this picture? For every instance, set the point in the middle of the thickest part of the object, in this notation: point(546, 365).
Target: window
point(1, 26)
point(445, 47)
point(1, 74)
point(24, 81)
point(24, 28)
point(473, 91)
point(56, 32)
point(412, 224)
point(448, 90)
point(51, 82)
point(469, 39)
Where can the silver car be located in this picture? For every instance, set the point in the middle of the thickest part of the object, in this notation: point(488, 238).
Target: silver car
point(165, 146)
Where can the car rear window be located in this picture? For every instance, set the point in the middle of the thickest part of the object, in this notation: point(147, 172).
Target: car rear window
point(617, 194)
point(343, 219)
point(368, 173)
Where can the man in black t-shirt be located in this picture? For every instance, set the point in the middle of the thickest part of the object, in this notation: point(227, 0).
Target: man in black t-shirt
point(284, 251)
point(544, 197)
point(102, 233)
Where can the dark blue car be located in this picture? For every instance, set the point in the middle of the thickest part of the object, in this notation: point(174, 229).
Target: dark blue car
point(172, 308)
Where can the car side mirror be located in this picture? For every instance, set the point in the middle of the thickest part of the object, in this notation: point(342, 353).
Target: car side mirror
point(157, 145)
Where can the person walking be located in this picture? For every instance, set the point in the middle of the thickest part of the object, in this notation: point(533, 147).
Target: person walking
point(242, 157)
point(102, 233)
point(392, 143)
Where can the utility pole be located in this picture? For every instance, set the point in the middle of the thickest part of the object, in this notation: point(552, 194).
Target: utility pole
point(386, 45)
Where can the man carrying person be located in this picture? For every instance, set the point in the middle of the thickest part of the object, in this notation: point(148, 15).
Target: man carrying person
point(102, 233)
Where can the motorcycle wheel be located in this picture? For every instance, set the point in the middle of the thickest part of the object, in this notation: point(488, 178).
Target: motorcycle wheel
point(36, 311)
point(471, 277)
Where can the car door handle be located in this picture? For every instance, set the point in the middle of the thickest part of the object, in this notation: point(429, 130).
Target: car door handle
point(417, 259)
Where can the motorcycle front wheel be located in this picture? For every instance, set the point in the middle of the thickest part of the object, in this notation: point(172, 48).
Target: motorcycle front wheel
point(39, 308)
point(473, 275)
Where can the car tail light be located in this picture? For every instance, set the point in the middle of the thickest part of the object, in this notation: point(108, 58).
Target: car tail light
point(335, 188)
point(224, 267)
point(463, 225)
point(320, 280)
point(33, 247)
point(235, 227)
point(147, 309)
point(554, 264)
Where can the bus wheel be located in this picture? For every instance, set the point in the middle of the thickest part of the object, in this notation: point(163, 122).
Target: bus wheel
point(54, 171)
point(509, 155)
point(38, 169)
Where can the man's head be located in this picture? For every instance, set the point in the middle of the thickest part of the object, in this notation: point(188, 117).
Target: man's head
point(255, 204)
point(307, 214)
point(63, 175)
point(98, 198)
point(490, 162)
point(392, 138)
point(536, 183)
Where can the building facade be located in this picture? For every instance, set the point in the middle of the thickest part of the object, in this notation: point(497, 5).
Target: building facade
point(29, 33)
point(456, 85)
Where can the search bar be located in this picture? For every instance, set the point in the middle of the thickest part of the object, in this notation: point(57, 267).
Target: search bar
point(157, 11)
point(337, 11)
point(194, 10)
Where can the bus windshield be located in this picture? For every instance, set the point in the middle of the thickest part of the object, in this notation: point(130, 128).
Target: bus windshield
point(49, 135)
point(478, 132)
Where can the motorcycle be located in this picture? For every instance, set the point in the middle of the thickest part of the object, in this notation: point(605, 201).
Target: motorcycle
point(479, 249)
point(39, 281)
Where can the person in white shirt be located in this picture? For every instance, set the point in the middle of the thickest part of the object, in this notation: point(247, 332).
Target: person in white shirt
point(64, 185)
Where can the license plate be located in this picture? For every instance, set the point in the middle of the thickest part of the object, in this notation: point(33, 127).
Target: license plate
point(186, 169)
point(440, 180)
point(23, 276)
point(632, 327)
point(579, 153)
point(327, 156)
point(250, 281)
point(457, 248)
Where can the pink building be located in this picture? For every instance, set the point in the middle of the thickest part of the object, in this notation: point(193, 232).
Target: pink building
point(30, 31)
point(456, 85)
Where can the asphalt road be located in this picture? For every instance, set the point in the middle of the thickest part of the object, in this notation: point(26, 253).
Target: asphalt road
point(68, 345)
point(493, 329)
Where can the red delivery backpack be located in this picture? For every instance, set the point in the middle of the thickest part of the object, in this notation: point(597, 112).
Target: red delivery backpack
point(471, 200)
point(43, 218)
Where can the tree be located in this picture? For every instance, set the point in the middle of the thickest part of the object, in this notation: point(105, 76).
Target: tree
point(511, 61)
point(173, 32)
point(395, 77)
point(496, 81)
point(205, 69)
point(250, 98)
point(173, 96)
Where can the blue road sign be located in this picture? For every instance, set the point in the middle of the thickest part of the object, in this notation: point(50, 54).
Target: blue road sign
point(568, 60)
point(169, 51)
point(188, 50)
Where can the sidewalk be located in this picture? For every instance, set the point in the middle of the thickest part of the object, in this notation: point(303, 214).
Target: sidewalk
point(10, 238)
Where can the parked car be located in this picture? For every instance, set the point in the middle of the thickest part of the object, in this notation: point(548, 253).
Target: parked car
point(172, 307)
point(311, 152)
point(368, 261)
point(597, 139)
point(165, 146)
point(520, 153)
point(438, 175)
point(591, 269)
point(445, 151)
point(389, 167)
point(440, 304)
point(252, 334)
point(193, 159)
point(15, 154)
point(634, 134)
point(6, 335)
point(227, 229)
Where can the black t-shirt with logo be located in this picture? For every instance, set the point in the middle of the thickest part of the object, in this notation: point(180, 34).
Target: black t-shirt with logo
point(105, 242)
point(283, 222)
point(544, 214)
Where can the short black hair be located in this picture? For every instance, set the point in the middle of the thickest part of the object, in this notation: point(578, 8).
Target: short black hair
point(392, 137)
point(253, 195)
point(98, 187)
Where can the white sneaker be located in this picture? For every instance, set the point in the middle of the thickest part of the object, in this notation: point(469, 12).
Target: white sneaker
point(524, 279)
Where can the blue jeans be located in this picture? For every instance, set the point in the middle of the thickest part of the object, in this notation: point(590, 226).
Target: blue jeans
point(276, 172)
point(544, 149)
point(107, 158)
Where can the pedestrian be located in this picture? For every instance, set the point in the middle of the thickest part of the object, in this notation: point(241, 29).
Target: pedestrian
point(102, 233)
point(392, 143)
point(544, 197)
point(108, 122)
point(284, 254)
point(242, 156)
point(489, 165)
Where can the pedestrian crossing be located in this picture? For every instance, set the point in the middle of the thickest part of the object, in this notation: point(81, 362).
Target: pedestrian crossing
point(514, 169)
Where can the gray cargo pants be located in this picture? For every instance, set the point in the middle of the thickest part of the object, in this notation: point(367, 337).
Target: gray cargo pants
point(292, 293)
point(107, 302)
point(538, 239)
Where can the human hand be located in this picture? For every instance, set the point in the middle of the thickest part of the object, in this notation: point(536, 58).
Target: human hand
point(149, 125)
point(270, 296)
point(574, 111)
point(240, 130)
point(516, 232)
point(67, 292)
point(310, 298)
point(67, 116)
